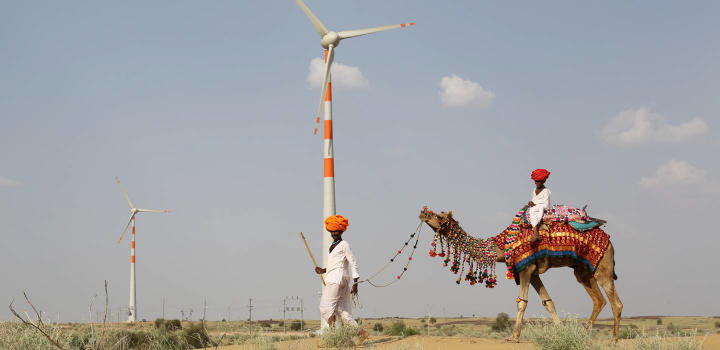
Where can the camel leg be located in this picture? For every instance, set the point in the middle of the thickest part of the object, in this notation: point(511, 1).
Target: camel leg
point(605, 275)
point(590, 284)
point(522, 302)
point(608, 284)
point(545, 297)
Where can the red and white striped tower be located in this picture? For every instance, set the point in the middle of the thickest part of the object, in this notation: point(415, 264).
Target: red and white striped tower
point(132, 305)
point(329, 168)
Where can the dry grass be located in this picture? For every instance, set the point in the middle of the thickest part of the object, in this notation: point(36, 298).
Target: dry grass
point(14, 335)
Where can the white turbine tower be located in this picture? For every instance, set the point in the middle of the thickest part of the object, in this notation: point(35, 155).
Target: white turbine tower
point(132, 307)
point(330, 40)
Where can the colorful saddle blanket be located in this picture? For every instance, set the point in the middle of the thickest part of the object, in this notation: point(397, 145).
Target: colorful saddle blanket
point(560, 213)
point(562, 240)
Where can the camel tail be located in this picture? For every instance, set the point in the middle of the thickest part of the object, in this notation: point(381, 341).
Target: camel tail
point(614, 275)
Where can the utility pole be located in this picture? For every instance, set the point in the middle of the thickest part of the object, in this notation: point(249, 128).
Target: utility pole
point(284, 308)
point(204, 309)
point(228, 313)
point(191, 310)
point(182, 312)
point(302, 320)
point(163, 307)
point(250, 307)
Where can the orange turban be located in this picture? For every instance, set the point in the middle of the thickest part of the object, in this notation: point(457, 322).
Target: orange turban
point(336, 223)
point(540, 175)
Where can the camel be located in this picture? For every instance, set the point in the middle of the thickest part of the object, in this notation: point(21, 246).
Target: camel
point(604, 276)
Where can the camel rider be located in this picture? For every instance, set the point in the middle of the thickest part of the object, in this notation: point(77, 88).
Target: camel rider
point(540, 201)
point(336, 299)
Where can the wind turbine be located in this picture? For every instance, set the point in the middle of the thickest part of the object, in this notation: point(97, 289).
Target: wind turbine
point(330, 40)
point(132, 308)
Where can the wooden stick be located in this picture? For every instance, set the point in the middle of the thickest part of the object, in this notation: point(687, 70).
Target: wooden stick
point(311, 256)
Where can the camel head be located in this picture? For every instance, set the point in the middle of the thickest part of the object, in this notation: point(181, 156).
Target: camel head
point(440, 223)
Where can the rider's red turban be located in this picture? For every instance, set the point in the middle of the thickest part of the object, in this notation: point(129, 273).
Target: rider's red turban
point(540, 175)
point(336, 223)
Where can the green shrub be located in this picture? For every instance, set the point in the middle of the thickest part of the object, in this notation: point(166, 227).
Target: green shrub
point(666, 341)
point(568, 335)
point(341, 337)
point(629, 332)
point(433, 320)
point(378, 327)
point(296, 325)
point(717, 324)
point(78, 342)
point(398, 328)
point(672, 329)
point(266, 324)
point(502, 323)
point(260, 342)
point(659, 322)
point(196, 336)
point(129, 339)
point(160, 323)
point(173, 325)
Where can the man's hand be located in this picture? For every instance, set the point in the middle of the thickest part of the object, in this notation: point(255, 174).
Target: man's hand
point(320, 270)
point(354, 288)
point(530, 203)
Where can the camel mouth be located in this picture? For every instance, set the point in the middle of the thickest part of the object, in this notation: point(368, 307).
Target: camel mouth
point(426, 215)
point(432, 219)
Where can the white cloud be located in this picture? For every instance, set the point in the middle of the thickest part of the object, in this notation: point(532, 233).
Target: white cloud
point(8, 182)
point(458, 92)
point(639, 126)
point(674, 173)
point(342, 75)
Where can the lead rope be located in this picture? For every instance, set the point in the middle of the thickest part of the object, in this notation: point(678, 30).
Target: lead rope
point(416, 235)
point(356, 301)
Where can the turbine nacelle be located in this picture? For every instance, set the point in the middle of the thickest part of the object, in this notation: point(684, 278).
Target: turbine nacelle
point(331, 38)
point(134, 210)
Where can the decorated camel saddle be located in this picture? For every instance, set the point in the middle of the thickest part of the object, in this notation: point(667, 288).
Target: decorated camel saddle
point(575, 217)
point(559, 239)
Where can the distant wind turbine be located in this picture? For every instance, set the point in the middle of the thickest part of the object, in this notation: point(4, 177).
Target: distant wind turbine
point(132, 312)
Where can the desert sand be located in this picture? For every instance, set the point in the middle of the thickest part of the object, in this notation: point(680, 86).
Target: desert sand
point(437, 343)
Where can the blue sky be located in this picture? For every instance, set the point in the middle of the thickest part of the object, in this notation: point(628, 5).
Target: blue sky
point(207, 109)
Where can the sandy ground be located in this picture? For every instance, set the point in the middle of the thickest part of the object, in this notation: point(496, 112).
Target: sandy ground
point(419, 342)
point(436, 343)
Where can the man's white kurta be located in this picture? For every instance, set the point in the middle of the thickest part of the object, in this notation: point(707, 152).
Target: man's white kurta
point(341, 270)
point(542, 202)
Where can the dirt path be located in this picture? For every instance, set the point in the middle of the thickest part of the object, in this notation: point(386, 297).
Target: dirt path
point(419, 342)
point(433, 343)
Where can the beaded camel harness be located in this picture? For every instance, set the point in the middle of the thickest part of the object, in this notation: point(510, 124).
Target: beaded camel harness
point(478, 255)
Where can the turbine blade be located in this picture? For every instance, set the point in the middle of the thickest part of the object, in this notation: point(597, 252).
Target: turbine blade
point(152, 211)
point(353, 33)
point(319, 27)
point(331, 54)
point(125, 193)
point(126, 227)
